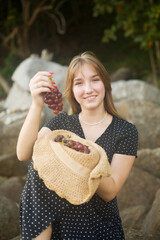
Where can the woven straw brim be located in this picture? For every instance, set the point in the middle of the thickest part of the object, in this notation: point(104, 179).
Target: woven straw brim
point(64, 170)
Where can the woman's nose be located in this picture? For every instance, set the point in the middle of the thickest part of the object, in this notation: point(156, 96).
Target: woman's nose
point(88, 87)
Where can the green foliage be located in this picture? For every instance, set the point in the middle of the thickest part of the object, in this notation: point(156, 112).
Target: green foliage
point(10, 63)
point(13, 19)
point(138, 19)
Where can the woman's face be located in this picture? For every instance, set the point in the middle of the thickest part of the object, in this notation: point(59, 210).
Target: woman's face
point(88, 88)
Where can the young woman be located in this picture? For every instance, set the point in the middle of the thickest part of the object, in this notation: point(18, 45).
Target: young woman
point(43, 214)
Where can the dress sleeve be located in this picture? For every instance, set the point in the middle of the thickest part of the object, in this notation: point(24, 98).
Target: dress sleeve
point(56, 122)
point(127, 142)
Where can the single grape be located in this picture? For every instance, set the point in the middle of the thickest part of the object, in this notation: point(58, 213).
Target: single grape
point(80, 146)
point(71, 143)
point(59, 95)
point(56, 100)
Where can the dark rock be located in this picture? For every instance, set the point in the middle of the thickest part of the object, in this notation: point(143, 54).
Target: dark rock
point(11, 166)
point(2, 179)
point(152, 222)
point(12, 188)
point(16, 238)
point(133, 217)
point(9, 219)
point(121, 74)
point(139, 189)
point(149, 160)
point(133, 234)
point(148, 125)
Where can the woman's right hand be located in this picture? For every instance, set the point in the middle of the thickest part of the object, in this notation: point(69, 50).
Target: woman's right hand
point(39, 85)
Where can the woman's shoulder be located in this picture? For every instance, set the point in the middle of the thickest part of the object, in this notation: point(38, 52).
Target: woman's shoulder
point(123, 125)
point(59, 120)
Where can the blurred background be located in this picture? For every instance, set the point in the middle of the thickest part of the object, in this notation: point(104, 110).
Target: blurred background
point(45, 35)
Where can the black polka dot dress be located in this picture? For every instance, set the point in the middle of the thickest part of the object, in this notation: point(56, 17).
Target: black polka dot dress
point(94, 220)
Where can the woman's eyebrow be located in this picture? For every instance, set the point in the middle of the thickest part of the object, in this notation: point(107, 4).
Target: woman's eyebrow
point(78, 79)
point(95, 75)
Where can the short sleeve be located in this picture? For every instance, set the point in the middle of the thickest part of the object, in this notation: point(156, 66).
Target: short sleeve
point(57, 122)
point(127, 141)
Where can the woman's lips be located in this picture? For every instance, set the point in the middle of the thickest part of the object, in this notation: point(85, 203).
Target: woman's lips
point(90, 98)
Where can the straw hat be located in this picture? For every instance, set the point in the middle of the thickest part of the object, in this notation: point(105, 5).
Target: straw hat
point(73, 175)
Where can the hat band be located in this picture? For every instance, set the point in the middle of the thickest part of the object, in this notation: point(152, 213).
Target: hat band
point(62, 155)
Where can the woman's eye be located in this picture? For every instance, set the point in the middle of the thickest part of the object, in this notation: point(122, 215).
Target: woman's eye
point(78, 83)
point(96, 79)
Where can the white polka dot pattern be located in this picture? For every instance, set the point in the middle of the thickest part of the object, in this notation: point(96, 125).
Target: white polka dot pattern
point(96, 219)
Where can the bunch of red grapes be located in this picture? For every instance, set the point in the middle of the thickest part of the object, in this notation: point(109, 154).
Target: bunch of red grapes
point(54, 98)
point(72, 144)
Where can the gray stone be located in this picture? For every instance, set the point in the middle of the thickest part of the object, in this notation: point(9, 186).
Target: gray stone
point(122, 73)
point(132, 234)
point(135, 90)
point(9, 135)
point(11, 166)
point(139, 189)
point(12, 188)
point(152, 222)
point(133, 217)
point(145, 115)
point(9, 219)
point(17, 99)
point(149, 160)
point(16, 238)
point(30, 66)
point(2, 179)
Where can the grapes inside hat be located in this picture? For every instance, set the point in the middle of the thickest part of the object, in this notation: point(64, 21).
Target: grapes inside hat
point(74, 174)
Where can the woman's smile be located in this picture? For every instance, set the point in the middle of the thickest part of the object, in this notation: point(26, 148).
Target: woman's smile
point(90, 98)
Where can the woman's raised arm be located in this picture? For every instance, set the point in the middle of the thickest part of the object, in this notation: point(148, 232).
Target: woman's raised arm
point(39, 84)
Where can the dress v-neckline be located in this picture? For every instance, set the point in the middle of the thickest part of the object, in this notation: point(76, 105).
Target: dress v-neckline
point(106, 130)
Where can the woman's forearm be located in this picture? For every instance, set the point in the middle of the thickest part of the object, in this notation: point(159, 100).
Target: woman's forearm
point(107, 189)
point(121, 166)
point(29, 133)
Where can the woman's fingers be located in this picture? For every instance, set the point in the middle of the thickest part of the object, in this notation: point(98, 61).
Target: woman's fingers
point(41, 80)
point(39, 84)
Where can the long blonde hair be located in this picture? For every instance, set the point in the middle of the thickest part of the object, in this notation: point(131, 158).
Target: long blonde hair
point(76, 63)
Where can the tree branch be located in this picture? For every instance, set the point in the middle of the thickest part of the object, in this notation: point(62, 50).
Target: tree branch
point(60, 20)
point(38, 10)
point(6, 39)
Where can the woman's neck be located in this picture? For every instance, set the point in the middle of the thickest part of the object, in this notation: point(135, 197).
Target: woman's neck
point(92, 116)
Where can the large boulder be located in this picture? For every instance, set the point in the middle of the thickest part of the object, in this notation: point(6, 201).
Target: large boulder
point(9, 219)
point(139, 103)
point(139, 189)
point(33, 64)
point(123, 91)
point(19, 97)
point(122, 73)
point(17, 238)
point(9, 135)
point(12, 188)
point(145, 115)
point(149, 160)
point(151, 224)
point(11, 166)
point(133, 217)
point(134, 234)
point(10, 124)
